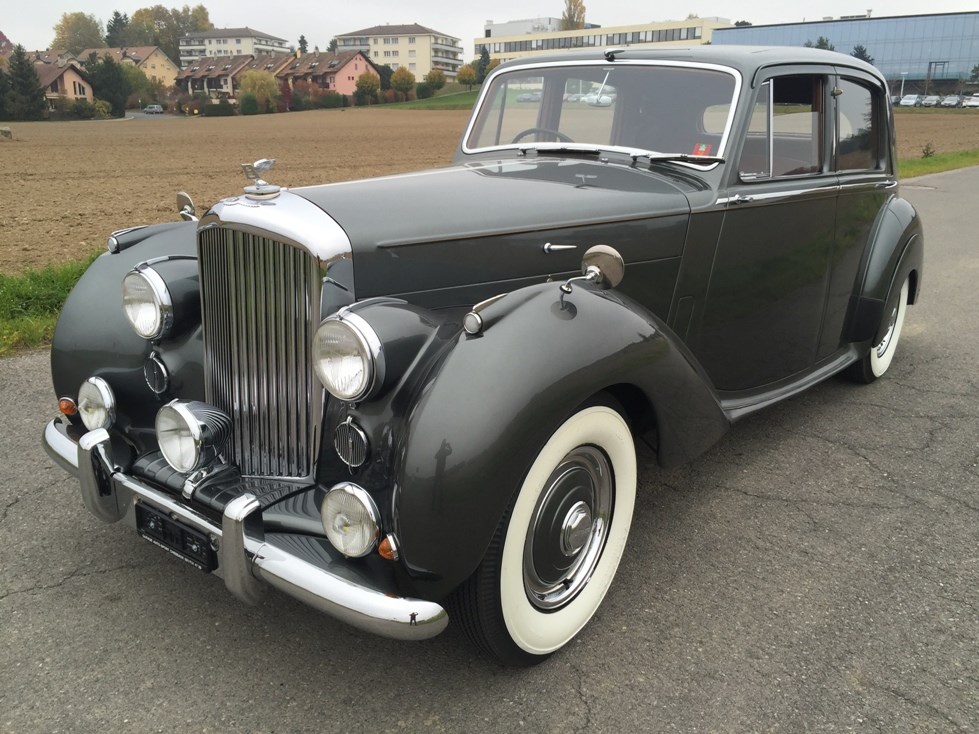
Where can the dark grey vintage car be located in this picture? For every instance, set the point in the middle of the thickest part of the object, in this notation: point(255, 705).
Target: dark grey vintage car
point(402, 419)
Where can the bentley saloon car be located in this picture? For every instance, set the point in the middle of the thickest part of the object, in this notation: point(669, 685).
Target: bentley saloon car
point(403, 419)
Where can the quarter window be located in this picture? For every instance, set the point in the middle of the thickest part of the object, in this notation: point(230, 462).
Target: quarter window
point(858, 128)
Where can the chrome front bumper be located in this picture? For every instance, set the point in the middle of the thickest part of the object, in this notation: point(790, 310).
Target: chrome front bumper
point(247, 559)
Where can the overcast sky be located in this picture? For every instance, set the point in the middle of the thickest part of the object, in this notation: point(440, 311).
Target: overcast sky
point(31, 24)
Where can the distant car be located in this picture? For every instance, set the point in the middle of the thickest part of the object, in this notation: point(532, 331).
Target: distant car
point(952, 100)
point(529, 97)
point(153, 109)
point(932, 100)
point(971, 102)
point(911, 100)
point(598, 100)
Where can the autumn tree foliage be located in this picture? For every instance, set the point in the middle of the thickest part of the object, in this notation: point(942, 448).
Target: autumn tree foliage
point(402, 81)
point(573, 17)
point(435, 79)
point(263, 86)
point(466, 75)
point(76, 32)
point(367, 86)
point(163, 27)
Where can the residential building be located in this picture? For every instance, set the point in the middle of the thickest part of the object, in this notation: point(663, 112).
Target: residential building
point(228, 42)
point(415, 47)
point(525, 26)
point(151, 60)
point(219, 76)
point(691, 31)
point(61, 76)
point(916, 53)
point(333, 72)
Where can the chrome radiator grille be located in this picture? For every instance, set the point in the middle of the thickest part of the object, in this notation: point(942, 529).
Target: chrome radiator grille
point(260, 305)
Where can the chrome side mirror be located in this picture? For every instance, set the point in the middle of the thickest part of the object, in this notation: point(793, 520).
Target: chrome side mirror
point(601, 265)
point(185, 207)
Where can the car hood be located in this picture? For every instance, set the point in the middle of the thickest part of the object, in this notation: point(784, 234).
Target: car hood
point(487, 222)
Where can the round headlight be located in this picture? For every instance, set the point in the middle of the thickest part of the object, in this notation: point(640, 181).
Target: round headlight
point(345, 356)
point(96, 403)
point(179, 435)
point(147, 303)
point(351, 520)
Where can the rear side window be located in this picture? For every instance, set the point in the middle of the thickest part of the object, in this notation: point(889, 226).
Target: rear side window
point(858, 125)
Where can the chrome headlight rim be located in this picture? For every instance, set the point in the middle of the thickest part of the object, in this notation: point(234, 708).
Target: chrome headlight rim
point(107, 402)
point(162, 302)
point(371, 514)
point(193, 428)
point(371, 348)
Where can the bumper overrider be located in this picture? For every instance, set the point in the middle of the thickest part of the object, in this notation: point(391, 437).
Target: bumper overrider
point(247, 559)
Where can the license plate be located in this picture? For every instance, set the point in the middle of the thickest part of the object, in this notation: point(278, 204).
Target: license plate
point(186, 543)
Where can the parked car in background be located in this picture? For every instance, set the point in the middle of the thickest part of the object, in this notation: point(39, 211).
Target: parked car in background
point(971, 102)
point(951, 100)
point(911, 100)
point(932, 100)
point(153, 109)
point(434, 412)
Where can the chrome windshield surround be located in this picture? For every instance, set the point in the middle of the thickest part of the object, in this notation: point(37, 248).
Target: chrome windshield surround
point(618, 63)
point(263, 268)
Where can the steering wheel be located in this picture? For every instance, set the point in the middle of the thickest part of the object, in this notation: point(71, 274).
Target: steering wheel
point(531, 130)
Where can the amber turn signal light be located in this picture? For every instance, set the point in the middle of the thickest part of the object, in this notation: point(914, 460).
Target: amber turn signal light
point(67, 406)
point(387, 549)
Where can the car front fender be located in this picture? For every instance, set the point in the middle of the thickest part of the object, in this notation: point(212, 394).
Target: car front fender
point(493, 399)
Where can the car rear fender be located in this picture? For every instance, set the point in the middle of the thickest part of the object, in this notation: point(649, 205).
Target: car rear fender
point(896, 252)
point(492, 401)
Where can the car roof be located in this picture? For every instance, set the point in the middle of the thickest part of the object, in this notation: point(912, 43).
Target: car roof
point(746, 59)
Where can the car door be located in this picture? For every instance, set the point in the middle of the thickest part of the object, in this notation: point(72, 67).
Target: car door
point(764, 305)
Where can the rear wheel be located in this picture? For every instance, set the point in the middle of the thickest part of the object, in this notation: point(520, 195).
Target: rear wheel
point(556, 550)
point(876, 362)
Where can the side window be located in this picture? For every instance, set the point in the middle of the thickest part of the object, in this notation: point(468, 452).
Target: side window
point(858, 128)
point(785, 133)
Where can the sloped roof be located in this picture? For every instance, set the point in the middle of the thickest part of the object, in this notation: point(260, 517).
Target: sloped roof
point(245, 32)
point(137, 54)
point(51, 69)
point(215, 66)
point(412, 29)
point(319, 63)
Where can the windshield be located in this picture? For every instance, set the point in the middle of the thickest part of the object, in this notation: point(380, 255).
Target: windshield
point(661, 108)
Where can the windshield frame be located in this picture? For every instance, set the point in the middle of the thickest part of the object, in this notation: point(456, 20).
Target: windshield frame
point(522, 148)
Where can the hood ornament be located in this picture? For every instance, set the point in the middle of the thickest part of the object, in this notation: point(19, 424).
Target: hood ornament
point(254, 172)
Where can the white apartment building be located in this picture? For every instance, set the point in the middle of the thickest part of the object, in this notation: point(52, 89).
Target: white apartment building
point(228, 42)
point(413, 46)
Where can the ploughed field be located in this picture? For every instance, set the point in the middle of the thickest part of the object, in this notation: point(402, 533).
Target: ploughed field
point(67, 185)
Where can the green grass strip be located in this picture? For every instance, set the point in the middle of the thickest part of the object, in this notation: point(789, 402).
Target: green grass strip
point(455, 101)
point(30, 304)
point(937, 163)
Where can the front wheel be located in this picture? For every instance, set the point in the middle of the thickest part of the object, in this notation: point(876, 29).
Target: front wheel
point(557, 548)
point(876, 362)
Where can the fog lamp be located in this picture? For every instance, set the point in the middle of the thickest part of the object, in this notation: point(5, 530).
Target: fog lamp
point(96, 404)
point(351, 520)
point(191, 434)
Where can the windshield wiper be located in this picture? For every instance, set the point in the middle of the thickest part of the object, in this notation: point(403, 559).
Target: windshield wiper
point(551, 149)
point(677, 158)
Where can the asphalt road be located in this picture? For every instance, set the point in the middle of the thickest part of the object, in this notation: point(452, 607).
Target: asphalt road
point(816, 571)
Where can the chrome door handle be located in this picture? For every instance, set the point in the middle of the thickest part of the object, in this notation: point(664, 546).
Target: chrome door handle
point(549, 248)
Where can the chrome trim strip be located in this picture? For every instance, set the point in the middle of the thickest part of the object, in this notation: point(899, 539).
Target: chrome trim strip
point(242, 552)
point(776, 195)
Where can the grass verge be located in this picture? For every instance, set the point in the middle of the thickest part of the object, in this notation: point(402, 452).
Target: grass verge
point(454, 101)
point(911, 167)
point(30, 304)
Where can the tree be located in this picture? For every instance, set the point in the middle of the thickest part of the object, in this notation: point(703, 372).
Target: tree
point(262, 84)
point(332, 48)
point(116, 30)
point(163, 27)
point(24, 98)
point(742, 24)
point(402, 80)
point(821, 42)
point(109, 82)
point(303, 44)
point(573, 16)
point(77, 31)
point(975, 74)
point(367, 86)
point(466, 75)
point(860, 52)
point(480, 65)
point(385, 73)
point(4, 90)
point(435, 79)
point(492, 65)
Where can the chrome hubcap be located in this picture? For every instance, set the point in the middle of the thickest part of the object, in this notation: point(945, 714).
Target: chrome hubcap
point(882, 347)
point(568, 528)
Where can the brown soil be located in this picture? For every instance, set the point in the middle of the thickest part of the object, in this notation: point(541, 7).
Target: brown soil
point(67, 185)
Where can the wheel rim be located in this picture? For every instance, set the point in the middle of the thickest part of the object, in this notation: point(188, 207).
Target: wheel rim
point(568, 528)
point(886, 340)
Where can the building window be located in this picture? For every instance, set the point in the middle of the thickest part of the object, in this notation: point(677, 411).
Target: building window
point(412, 66)
point(238, 41)
point(411, 39)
